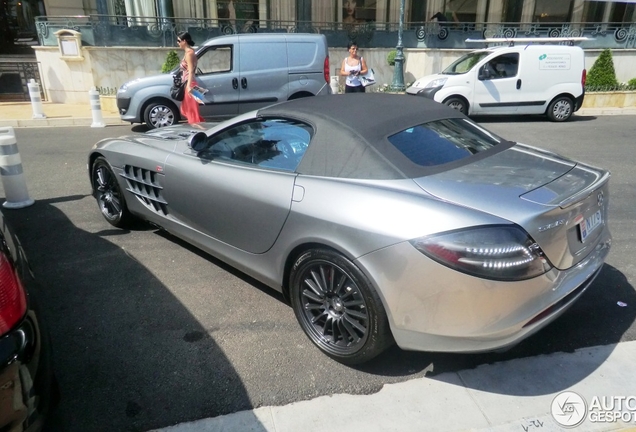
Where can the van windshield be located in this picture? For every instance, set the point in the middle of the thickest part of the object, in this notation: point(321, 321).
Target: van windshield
point(465, 63)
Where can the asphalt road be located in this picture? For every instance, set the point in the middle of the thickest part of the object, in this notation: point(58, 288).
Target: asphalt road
point(149, 332)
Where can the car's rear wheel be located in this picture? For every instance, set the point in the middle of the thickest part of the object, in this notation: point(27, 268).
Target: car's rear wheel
point(338, 308)
point(560, 109)
point(161, 114)
point(457, 103)
point(108, 194)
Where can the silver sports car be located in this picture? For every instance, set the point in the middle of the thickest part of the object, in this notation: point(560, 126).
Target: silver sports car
point(382, 218)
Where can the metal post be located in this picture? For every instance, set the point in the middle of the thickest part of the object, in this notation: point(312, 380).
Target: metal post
point(36, 99)
point(15, 189)
point(398, 69)
point(96, 108)
point(334, 84)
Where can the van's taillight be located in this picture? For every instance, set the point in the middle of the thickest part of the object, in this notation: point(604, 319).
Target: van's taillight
point(326, 69)
point(13, 304)
point(583, 78)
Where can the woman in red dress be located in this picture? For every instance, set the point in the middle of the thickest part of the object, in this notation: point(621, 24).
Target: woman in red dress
point(189, 106)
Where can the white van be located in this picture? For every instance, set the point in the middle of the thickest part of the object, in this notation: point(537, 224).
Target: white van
point(522, 78)
point(242, 73)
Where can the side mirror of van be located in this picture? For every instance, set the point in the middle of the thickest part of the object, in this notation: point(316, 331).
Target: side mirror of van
point(484, 73)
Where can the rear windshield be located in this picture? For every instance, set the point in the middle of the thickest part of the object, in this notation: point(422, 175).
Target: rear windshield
point(443, 141)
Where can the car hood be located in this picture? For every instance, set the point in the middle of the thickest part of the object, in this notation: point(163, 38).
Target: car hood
point(542, 192)
point(181, 131)
point(147, 81)
point(423, 81)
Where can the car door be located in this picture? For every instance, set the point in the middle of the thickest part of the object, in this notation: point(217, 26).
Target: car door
point(496, 88)
point(217, 71)
point(264, 73)
point(239, 191)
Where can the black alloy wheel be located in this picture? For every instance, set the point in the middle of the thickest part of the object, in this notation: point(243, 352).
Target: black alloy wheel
point(337, 307)
point(108, 195)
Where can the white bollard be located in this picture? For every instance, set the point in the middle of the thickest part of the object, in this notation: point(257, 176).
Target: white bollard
point(96, 108)
point(334, 84)
point(15, 189)
point(36, 99)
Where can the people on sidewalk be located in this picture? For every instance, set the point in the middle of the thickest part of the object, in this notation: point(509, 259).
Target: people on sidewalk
point(189, 105)
point(352, 67)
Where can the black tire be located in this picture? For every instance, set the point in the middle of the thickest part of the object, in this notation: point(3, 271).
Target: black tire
point(457, 103)
point(161, 114)
point(337, 307)
point(108, 194)
point(560, 109)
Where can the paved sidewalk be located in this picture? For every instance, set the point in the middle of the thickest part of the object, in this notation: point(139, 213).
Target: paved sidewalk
point(20, 114)
point(511, 396)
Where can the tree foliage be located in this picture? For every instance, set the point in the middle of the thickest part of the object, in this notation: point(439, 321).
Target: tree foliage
point(172, 61)
point(602, 73)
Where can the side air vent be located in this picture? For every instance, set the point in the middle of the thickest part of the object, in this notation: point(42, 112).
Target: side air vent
point(146, 186)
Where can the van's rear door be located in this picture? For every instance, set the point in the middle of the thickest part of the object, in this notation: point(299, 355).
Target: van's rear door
point(264, 73)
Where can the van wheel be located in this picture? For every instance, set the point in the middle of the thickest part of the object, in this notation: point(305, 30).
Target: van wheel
point(457, 103)
point(560, 109)
point(161, 114)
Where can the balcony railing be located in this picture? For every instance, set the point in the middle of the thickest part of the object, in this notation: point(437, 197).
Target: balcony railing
point(111, 30)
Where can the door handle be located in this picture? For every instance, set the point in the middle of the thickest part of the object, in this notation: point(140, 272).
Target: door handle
point(244, 83)
point(518, 84)
point(235, 83)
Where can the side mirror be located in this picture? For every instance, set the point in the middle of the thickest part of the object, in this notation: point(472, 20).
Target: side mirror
point(484, 73)
point(198, 142)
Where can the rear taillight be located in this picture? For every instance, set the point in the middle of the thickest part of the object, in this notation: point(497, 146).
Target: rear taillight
point(326, 69)
point(583, 78)
point(503, 253)
point(13, 304)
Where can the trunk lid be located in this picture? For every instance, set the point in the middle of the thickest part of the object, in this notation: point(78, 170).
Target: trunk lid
point(562, 204)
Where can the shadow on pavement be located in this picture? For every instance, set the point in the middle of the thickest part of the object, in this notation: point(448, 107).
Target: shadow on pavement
point(133, 356)
point(595, 319)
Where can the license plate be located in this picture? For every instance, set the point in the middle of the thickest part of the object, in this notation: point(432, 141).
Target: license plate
point(589, 224)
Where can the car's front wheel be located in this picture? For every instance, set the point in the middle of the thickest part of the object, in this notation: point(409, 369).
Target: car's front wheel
point(560, 109)
point(161, 114)
point(338, 308)
point(108, 194)
point(457, 103)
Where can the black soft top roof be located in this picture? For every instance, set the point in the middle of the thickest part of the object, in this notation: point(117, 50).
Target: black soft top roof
point(351, 133)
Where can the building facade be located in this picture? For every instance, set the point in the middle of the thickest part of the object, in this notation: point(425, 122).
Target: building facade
point(27, 22)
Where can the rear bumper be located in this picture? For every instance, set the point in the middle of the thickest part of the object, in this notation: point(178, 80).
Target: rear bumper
point(578, 102)
point(434, 308)
point(26, 376)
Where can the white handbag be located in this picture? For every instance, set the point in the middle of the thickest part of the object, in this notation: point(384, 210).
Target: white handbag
point(368, 78)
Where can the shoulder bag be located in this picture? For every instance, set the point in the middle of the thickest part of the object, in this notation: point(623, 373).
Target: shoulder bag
point(368, 78)
point(177, 91)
